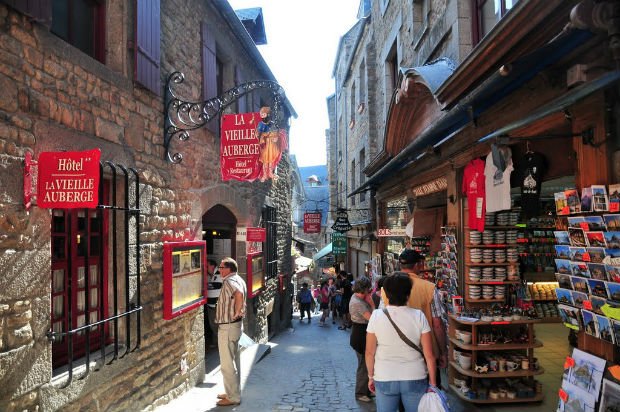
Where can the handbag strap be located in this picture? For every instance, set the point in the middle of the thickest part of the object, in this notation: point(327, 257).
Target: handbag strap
point(401, 334)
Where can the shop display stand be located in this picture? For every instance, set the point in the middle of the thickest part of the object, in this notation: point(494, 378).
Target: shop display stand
point(457, 371)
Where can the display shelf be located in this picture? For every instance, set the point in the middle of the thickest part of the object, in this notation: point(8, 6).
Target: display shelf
point(494, 282)
point(490, 246)
point(539, 397)
point(496, 228)
point(516, 374)
point(496, 346)
point(491, 264)
point(467, 299)
point(483, 323)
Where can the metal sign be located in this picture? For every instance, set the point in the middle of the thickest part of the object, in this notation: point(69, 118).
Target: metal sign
point(68, 180)
point(312, 222)
point(342, 224)
point(256, 234)
point(395, 232)
point(339, 243)
point(239, 147)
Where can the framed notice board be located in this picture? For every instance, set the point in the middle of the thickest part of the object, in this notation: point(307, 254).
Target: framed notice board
point(256, 274)
point(185, 277)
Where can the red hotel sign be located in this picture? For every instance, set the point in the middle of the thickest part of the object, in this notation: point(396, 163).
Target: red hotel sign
point(68, 180)
point(256, 234)
point(239, 147)
point(312, 222)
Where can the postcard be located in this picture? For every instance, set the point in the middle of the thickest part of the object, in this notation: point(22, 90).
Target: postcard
point(578, 222)
point(597, 271)
point(597, 288)
point(580, 284)
point(562, 251)
point(613, 290)
point(589, 322)
point(595, 223)
point(562, 237)
point(577, 237)
point(596, 254)
point(580, 269)
point(597, 304)
point(578, 400)
point(596, 239)
point(578, 298)
point(612, 222)
point(564, 296)
point(587, 373)
point(573, 201)
point(561, 205)
point(586, 199)
point(569, 315)
point(613, 273)
point(599, 198)
point(563, 266)
point(604, 328)
point(615, 325)
point(564, 281)
point(576, 253)
point(614, 198)
point(610, 396)
point(612, 239)
point(613, 253)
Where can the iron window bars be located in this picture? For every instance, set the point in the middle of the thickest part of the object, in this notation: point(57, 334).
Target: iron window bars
point(132, 305)
point(271, 247)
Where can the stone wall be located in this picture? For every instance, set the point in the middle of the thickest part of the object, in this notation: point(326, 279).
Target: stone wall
point(57, 98)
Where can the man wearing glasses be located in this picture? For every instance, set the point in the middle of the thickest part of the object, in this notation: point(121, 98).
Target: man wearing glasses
point(229, 316)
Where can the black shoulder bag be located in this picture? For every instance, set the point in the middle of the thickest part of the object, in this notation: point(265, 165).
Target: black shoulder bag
point(401, 334)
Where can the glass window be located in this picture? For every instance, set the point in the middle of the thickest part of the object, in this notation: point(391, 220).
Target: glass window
point(81, 24)
point(487, 14)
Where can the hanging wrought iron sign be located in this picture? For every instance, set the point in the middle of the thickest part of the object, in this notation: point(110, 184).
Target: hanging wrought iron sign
point(182, 116)
point(342, 224)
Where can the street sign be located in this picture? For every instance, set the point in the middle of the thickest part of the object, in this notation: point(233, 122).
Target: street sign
point(394, 232)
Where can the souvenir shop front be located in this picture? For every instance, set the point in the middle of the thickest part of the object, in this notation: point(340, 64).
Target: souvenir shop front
point(541, 245)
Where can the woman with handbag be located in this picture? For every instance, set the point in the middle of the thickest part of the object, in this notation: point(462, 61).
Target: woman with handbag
point(399, 353)
point(360, 308)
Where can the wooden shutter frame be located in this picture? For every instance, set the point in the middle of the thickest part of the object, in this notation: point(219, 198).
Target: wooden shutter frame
point(209, 67)
point(147, 40)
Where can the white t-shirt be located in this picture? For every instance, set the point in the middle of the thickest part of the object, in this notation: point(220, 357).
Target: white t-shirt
point(497, 187)
point(394, 359)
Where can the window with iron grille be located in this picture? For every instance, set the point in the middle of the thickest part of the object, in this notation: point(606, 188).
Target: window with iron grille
point(96, 276)
point(271, 246)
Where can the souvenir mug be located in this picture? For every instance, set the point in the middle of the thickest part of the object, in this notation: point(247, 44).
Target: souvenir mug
point(511, 366)
point(525, 364)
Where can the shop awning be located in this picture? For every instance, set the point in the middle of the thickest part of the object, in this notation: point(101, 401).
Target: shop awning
point(323, 252)
point(559, 104)
point(494, 89)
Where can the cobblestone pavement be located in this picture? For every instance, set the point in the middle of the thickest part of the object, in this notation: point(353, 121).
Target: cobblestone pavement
point(309, 369)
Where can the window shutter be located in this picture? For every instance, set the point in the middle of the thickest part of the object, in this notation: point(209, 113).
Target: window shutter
point(39, 10)
point(209, 69)
point(243, 105)
point(148, 51)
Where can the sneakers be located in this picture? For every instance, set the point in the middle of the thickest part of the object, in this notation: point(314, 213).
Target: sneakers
point(364, 398)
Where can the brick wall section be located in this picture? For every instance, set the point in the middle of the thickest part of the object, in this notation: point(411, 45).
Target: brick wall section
point(56, 98)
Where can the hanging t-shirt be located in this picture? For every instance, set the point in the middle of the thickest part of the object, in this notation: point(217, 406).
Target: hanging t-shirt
point(473, 188)
point(497, 182)
point(530, 171)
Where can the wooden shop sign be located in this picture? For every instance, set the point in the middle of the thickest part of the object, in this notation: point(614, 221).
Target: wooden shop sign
point(312, 222)
point(433, 186)
point(68, 180)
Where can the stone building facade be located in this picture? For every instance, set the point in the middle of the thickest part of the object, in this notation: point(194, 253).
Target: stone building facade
point(61, 94)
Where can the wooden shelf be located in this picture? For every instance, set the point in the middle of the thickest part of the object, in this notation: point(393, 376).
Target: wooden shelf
point(496, 228)
point(512, 322)
point(491, 264)
point(516, 374)
point(496, 346)
point(493, 246)
point(494, 282)
point(539, 397)
point(467, 299)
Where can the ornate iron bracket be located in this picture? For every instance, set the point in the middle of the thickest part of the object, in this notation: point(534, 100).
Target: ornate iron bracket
point(181, 116)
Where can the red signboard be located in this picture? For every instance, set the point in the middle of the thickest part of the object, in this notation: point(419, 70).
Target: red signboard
point(240, 147)
point(68, 180)
point(256, 234)
point(312, 222)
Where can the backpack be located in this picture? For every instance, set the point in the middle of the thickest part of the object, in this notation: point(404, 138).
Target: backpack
point(306, 296)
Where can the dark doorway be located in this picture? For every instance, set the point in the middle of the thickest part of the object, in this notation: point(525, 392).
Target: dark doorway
point(219, 229)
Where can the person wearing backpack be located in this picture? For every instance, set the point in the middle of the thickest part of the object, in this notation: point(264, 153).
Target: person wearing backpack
point(304, 298)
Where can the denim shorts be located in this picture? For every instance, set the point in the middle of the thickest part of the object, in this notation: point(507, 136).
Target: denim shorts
point(390, 392)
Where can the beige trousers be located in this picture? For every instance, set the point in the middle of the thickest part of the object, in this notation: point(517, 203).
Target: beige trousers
point(228, 336)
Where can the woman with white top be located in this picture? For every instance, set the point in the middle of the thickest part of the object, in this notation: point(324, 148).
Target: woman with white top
point(397, 371)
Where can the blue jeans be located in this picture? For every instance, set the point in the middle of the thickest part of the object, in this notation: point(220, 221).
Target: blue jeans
point(390, 392)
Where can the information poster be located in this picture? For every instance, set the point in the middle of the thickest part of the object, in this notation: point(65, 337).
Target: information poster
point(184, 277)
